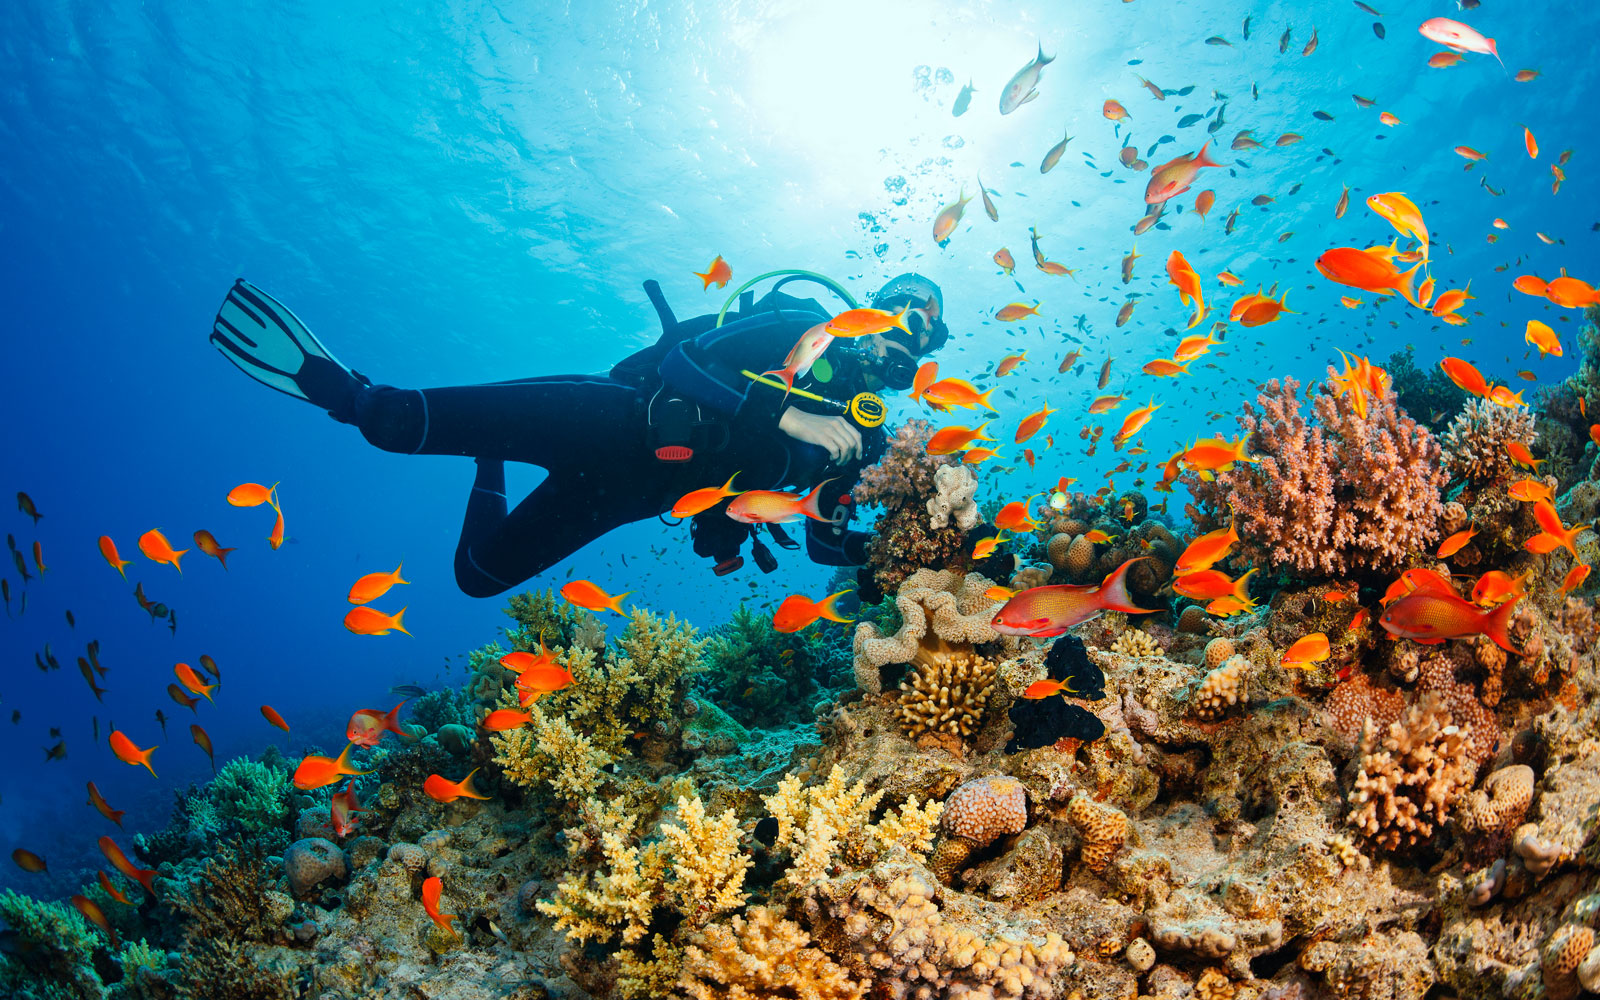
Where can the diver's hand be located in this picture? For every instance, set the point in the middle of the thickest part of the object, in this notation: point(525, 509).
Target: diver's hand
point(836, 435)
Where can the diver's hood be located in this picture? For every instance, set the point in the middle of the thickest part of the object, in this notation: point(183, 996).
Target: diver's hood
point(910, 289)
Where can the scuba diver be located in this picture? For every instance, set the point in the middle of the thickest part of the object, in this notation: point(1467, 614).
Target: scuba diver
point(688, 412)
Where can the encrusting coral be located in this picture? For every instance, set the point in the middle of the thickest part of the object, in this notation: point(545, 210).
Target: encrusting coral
point(1333, 495)
point(1103, 828)
point(974, 815)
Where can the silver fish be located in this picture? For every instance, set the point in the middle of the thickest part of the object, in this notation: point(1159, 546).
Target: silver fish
point(1020, 90)
point(962, 100)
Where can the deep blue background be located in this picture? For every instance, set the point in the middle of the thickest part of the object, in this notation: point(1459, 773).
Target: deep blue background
point(473, 191)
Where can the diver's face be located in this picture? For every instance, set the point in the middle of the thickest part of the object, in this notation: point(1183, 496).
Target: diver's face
point(919, 322)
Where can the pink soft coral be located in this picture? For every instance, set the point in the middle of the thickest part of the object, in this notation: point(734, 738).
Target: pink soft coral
point(1337, 494)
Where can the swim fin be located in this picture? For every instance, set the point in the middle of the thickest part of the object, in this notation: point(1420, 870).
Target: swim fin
point(268, 342)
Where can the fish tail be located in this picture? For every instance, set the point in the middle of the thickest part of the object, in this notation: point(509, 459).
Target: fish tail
point(396, 575)
point(144, 759)
point(811, 506)
point(1497, 625)
point(705, 279)
point(984, 399)
point(727, 487)
point(467, 789)
point(1241, 587)
point(145, 877)
point(397, 622)
point(222, 556)
point(828, 608)
point(1113, 593)
point(122, 567)
point(1202, 160)
point(978, 435)
point(786, 377)
point(616, 602)
point(1405, 286)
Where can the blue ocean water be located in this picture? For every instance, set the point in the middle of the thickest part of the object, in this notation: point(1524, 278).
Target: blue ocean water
point(465, 192)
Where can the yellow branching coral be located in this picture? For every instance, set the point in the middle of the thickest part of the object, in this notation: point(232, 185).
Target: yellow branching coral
point(818, 823)
point(656, 976)
point(595, 906)
point(707, 865)
point(638, 683)
point(547, 749)
point(762, 955)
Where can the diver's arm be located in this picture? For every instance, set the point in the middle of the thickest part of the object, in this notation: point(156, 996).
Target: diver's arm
point(708, 370)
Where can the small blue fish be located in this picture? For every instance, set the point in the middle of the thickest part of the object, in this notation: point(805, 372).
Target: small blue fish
point(963, 99)
point(1188, 120)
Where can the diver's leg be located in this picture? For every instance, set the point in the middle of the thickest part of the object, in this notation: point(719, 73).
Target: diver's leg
point(542, 420)
point(567, 511)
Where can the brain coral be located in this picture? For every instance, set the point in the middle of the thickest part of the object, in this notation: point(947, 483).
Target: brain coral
point(1331, 495)
point(938, 609)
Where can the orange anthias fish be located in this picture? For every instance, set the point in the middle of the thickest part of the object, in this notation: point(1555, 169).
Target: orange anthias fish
point(1068, 360)
point(696, 501)
point(1217, 454)
point(127, 752)
point(999, 593)
point(1529, 490)
point(1450, 546)
point(1190, 348)
point(1033, 423)
point(1465, 375)
point(1501, 395)
point(1495, 587)
point(1015, 311)
point(1006, 262)
point(28, 861)
point(1008, 364)
point(1187, 282)
point(949, 440)
point(108, 550)
point(772, 507)
point(1430, 617)
point(144, 876)
point(1162, 368)
point(976, 455)
point(1368, 271)
point(1530, 143)
point(803, 356)
point(949, 217)
point(586, 595)
point(1014, 517)
point(271, 715)
point(431, 890)
point(202, 739)
point(1134, 422)
point(439, 789)
point(1114, 110)
point(99, 802)
point(275, 536)
point(1210, 584)
point(317, 771)
point(374, 585)
point(251, 494)
point(927, 374)
point(1257, 309)
point(719, 274)
point(193, 681)
point(1541, 336)
point(1045, 612)
point(1176, 175)
point(1575, 577)
point(541, 678)
point(1229, 279)
point(91, 912)
point(183, 698)
point(110, 890)
point(502, 719)
point(1047, 688)
point(957, 392)
point(1555, 534)
point(206, 542)
point(157, 549)
point(367, 726)
point(342, 808)
point(370, 621)
point(796, 612)
point(1203, 202)
point(1403, 214)
point(1306, 650)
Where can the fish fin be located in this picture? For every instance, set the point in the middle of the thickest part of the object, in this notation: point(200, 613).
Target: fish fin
point(1241, 587)
point(1497, 623)
point(984, 399)
point(1031, 95)
point(1113, 593)
point(811, 505)
point(398, 580)
point(1405, 286)
point(727, 488)
point(397, 620)
point(615, 604)
point(1202, 160)
point(827, 608)
point(1043, 60)
point(786, 377)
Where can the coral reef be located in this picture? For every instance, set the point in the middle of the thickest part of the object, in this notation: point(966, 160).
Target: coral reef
point(52, 956)
point(1410, 776)
point(956, 487)
point(902, 484)
point(1333, 495)
point(939, 610)
point(763, 677)
point(1474, 445)
point(762, 955)
point(946, 694)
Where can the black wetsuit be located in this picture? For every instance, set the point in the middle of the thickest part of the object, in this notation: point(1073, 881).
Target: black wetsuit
point(594, 435)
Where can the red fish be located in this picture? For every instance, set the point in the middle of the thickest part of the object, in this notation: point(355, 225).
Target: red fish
point(202, 739)
point(1555, 535)
point(1176, 175)
point(206, 542)
point(1465, 375)
point(317, 771)
point(144, 876)
point(1206, 550)
point(251, 494)
point(719, 274)
point(1048, 687)
point(440, 790)
point(1458, 37)
point(796, 612)
point(1033, 423)
point(370, 621)
point(108, 549)
point(1306, 650)
point(1431, 618)
point(802, 356)
point(28, 861)
point(92, 912)
point(99, 802)
point(696, 501)
point(271, 715)
point(341, 809)
point(374, 585)
point(128, 753)
point(367, 726)
point(1044, 612)
point(1212, 584)
point(501, 719)
point(183, 698)
point(432, 888)
point(111, 890)
point(191, 680)
point(157, 549)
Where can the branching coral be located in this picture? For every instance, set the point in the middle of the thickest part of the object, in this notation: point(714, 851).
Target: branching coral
point(760, 676)
point(547, 749)
point(938, 609)
point(830, 820)
point(1332, 495)
point(1410, 775)
point(946, 693)
point(1475, 442)
point(762, 955)
point(902, 483)
point(52, 956)
point(1221, 689)
point(1136, 642)
point(225, 909)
